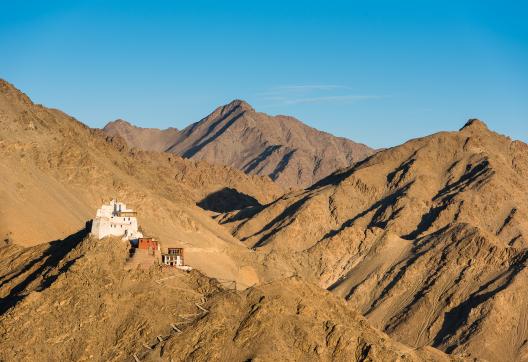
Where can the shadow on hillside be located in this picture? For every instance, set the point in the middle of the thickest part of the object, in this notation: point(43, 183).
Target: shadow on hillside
point(471, 176)
point(340, 175)
point(460, 315)
point(226, 200)
point(284, 219)
point(253, 164)
point(205, 141)
point(44, 269)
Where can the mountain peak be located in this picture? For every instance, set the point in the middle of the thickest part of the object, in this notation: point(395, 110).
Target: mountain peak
point(234, 134)
point(236, 105)
point(119, 122)
point(239, 103)
point(475, 124)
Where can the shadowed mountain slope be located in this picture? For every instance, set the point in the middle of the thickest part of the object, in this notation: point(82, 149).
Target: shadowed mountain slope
point(429, 239)
point(283, 148)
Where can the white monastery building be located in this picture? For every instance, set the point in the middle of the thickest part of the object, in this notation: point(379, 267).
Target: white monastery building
point(114, 219)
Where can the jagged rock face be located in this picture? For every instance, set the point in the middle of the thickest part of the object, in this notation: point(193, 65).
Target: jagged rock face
point(283, 148)
point(429, 239)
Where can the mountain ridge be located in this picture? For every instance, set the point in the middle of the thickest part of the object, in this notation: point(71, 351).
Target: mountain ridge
point(428, 239)
point(282, 147)
point(77, 298)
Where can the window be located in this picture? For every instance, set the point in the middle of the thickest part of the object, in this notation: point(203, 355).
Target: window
point(175, 251)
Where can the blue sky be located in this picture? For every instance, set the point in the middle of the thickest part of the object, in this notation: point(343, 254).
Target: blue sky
point(378, 72)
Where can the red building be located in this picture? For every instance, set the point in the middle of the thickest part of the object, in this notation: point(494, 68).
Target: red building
point(147, 243)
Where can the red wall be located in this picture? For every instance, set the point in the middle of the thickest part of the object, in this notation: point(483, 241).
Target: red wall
point(145, 243)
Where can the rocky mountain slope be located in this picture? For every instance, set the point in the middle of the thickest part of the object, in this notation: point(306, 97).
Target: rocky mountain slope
point(303, 324)
point(55, 172)
point(283, 148)
point(75, 301)
point(429, 239)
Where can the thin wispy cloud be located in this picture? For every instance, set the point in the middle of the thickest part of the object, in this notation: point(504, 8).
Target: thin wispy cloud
point(304, 88)
point(312, 93)
point(341, 98)
point(311, 87)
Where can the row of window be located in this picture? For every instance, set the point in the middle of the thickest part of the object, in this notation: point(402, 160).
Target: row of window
point(121, 225)
point(124, 219)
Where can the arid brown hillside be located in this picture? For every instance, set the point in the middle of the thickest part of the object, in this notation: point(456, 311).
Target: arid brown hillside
point(55, 172)
point(429, 239)
point(283, 148)
point(149, 139)
point(292, 321)
point(74, 301)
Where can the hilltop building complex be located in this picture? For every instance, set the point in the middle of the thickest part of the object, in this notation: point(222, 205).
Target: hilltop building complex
point(114, 219)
